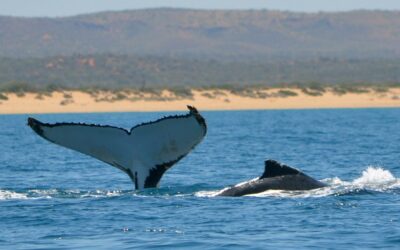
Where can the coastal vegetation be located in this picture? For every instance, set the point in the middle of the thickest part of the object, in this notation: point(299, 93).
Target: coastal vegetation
point(165, 94)
point(212, 54)
point(149, 73)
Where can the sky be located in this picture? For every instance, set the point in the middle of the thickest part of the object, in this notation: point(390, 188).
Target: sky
point(55, 8)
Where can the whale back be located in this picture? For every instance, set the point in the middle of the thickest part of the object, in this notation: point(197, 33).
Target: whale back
point(274, 169)
point(276, 176)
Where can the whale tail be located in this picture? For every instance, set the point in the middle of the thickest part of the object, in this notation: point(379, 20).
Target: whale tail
point(145, 152)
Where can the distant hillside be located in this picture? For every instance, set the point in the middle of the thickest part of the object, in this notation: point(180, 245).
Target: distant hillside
point(206, 34)
point(112, 71)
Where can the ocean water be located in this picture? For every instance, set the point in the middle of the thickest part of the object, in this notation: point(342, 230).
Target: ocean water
point(55, 198)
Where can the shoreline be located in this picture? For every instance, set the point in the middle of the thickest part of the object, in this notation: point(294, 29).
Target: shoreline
point(206, 100)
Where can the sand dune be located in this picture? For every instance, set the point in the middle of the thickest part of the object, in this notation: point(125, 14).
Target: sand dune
point(76, 101)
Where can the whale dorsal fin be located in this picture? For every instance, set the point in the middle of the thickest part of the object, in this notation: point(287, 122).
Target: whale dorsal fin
point(144, 153)
point(274, 168)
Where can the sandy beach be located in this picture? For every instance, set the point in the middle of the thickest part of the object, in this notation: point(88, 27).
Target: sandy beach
point(78, 102)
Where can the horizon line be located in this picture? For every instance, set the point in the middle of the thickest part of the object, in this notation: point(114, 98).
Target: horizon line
point(200, 10)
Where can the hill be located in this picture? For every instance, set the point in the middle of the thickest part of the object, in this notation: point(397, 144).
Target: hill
point(111, 71)
point(210, 34)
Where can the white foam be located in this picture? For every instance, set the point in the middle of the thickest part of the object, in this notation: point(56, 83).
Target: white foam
point(320, 192)
point(373, 178)
point(208, 193)
point(102, 193)
point(335, 181)
point(11, 195)
point(55, 193)
point(42, 193)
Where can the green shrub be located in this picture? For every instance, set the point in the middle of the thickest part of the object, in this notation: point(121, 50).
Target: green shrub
point(312, 92)
point(182, 92)
point(3, 97)
point(339, 91)
point(286, 93)
point(39, 96)
point(67, 95)
point(17, 87)
point(119, 96)
point(66, 102)
point(53, 88)
point(381, 89)
point(20, 94)
point(208, 95)
point(218, 93)
point(316, 87)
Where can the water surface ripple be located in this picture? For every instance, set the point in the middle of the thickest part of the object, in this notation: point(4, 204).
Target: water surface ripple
point(51, 197)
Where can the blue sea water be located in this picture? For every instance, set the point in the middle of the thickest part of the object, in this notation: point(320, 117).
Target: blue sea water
point(55, 198)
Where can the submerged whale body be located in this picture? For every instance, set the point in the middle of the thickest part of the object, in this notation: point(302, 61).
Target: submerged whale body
point(144, 153)
point(276, 176)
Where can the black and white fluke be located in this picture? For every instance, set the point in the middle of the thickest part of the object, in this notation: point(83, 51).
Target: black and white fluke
point(144, 153)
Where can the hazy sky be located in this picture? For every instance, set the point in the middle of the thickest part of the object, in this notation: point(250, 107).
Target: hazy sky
point(73, 7)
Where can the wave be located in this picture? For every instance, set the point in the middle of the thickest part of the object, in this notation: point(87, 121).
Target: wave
point(11, 195)
point(32, 194)
point(58, 193)
point(373, 179)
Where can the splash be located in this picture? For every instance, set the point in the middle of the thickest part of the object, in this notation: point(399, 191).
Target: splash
point(60, 194)
point(208, 193)
point(375, 176)
point(11, 195)
point(32, 194)
point(374, 179)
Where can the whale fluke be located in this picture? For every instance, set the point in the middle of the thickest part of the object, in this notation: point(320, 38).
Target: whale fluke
point(145, 152)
